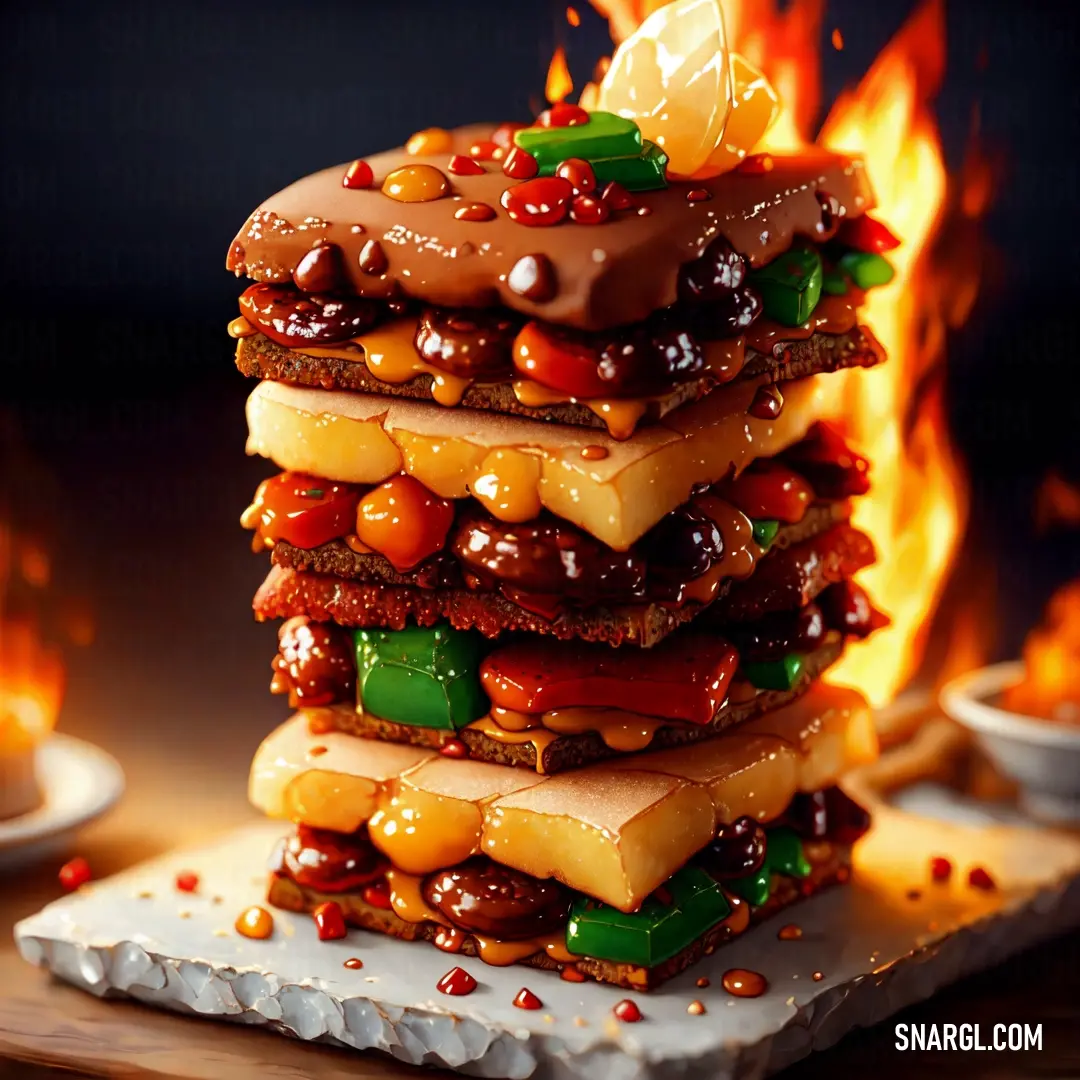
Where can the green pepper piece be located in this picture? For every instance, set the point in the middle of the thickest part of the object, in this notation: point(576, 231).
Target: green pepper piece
point(642, 173)
point(765, 530)
point(606, 135)
point(775, 674)
point(654, 933)
point(867, 269)
point(835, 283)
point(422, 675)
point(783, 855)
point(790, 286)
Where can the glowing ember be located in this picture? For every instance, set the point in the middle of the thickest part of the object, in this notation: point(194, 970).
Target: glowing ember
point(31, 673)
point(559, 84)
point(1051, 685)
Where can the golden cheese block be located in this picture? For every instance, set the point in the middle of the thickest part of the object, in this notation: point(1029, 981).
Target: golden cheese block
point(515, 466)
point(615, 830)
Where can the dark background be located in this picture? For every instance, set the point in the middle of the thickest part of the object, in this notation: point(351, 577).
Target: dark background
point(138, 136)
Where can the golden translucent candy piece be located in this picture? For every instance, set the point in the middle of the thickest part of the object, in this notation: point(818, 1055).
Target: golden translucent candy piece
point(508, 484)
point(415, 183)
point(672, 77)
point(755, 105)
point(433, 140)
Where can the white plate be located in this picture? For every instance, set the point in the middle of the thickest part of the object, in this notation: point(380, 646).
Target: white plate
point(79, 782)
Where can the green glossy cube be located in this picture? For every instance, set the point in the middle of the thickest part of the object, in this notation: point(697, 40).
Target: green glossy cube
point(654, 933)
point(428, 676)
point(834, 282)
point(775, 674)
point(765, 530)
point(604, 136)
point(790, 285)
point(867, 269)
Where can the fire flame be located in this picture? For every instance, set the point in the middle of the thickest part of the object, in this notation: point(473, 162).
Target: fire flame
point(917, 507)
point(1051, 685)
point(558, 84)
point(31, 672)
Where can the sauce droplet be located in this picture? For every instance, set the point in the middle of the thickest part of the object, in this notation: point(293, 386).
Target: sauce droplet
point(702, 982)
point(415, 183)
point(485, 150)
point(372, 258)
point(456, 749)
point(520, 164)
point(463, 165)
point(538, 203)
point(533, 277)
point(562, 115)
point(817, 976)
point(321, 270)
point(698, 194)
point(756, 164)
point(768, 402)
point(978, 878)
point(940, 868)
point(695, 1008)
point(790, 932)
point(316, 751)
point(594, 453)
point(579, 173)
point(617, 197)
point(75, 873)
point(255, 922)
point(526, 999)
point(358, 175)
point(589, 210)
point(377, 895)
point(433, 140)
point(476, 211)
point(627, 1011)
point(571, 974)
point(187, 881)
point(354, 963)
point(329, 921)
point(739, 982)
point(457, 982)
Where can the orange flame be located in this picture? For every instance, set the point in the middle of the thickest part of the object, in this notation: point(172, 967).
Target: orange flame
point(1051, 685)
point(31, 673)
point(895, 413)
point(559, 84)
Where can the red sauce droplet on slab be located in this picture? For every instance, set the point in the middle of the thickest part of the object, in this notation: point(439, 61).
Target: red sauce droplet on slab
point(377, 895)
point(571, 974)
point(627, 1011)
point(358, 175)
point(483, 150)
point(644, 211)
point(255, 922)
point(520, 164)
point(698, 194)
point(476, 211)
point(589, 210)
point(562, 115)
point(74, 873)
point(702, 982)
point(979, 878)
point(767, 403)
point(817, 976)
point(457, 982)
point(462, 165)
point(187, 881)
point(533, 277)
point(372, 258)
point(329, 921)
point(940, 868)
point(617, 197)
point(790, 932)
point(538, 203)
point(739, 982)
point(455, 748)
point(695, 1008)
point(354, 963)
point(756, 164)
point(579, 173)
point(594, 453)
point(526, 999)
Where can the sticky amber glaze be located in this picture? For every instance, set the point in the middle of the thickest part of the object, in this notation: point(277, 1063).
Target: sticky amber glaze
point(833, 315)
point(365, 439)
point(594, 829)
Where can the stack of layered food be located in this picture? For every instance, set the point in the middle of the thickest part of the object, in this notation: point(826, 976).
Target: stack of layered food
point(560, 543)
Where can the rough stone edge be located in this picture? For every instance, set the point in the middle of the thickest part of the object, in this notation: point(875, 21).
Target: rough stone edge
point(424, 1036)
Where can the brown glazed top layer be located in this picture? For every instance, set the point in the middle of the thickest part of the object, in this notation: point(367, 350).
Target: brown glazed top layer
point(607, 275)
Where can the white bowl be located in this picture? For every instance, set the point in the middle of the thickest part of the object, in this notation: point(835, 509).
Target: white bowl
point(1042, 756)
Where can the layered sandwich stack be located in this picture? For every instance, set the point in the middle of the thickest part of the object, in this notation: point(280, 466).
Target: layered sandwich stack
point(560, 543)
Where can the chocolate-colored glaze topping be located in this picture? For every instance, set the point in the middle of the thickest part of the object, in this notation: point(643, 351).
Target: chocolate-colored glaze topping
point(485, 898)
point(294, 319)
point(682, 545)
point(321, 270)
point(833, 468)
point(372, 258)
point(330, 861)
point(315, 663)
point(439, 258)
point(830, 813)
point(473, 344)
point(848, 609)
point(533, 278)
point(714, 275)
point(737, 849)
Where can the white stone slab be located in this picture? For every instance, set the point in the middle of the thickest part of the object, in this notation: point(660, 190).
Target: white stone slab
point(879, 950)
